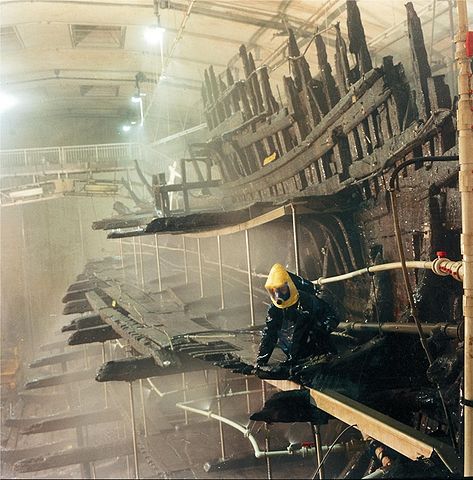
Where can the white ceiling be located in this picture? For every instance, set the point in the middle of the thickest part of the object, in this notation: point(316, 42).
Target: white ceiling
point(80, 57)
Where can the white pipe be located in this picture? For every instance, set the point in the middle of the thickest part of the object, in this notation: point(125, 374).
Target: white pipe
point(303, 451)
point(379, 473)
point(465, 149)
point(440, 266)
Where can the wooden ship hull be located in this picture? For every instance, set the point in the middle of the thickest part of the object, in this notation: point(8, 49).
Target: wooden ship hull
point(358, 164)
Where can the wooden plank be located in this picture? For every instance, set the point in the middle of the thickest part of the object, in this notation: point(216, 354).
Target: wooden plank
point(255, 82)
point(397, 147)
point(369, 95)
point(235, 92)
point(75, 295)
point(242, 92)
point(396, 435)
point(12, 456)
point(74, 420)
point(212, 111)
point(61, 358)
point(76, 306)
point(100, 334)
point(420, 62)
point(132, 220)
point(330, 88)
point(271, 105)
point(75, 456)
point(216, 94)
point(295, 109)
point(248, 85)
point(181, 187)
point(230, 123)
point(146, 341)
point(80, 285)
point(84, 321)
point(43, 399)
point(254, 222)
point(357, 39)
point(342, 67)
point(225, 98)
point(53, 380)
point(130, 369)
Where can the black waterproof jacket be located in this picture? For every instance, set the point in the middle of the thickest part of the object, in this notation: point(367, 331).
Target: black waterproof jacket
point(309, 322)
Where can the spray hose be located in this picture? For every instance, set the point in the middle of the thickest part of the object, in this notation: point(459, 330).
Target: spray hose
point(441, 266)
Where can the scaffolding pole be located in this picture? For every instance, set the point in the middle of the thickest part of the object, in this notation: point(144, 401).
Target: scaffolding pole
point(465, 149)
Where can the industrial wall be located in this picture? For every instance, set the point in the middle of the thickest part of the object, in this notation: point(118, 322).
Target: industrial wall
point(44, 245)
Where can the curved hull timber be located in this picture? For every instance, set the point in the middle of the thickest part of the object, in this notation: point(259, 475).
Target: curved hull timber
point(334, 132)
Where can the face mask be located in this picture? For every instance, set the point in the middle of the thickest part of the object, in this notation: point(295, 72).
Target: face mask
point(281, 294)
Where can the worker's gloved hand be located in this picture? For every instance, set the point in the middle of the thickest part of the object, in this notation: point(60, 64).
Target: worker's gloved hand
point(277, 372)
point(229, 364)
point(244, 369)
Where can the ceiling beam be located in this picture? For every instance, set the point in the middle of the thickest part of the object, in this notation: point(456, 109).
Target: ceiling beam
point(172, 81)
point(170, 30)
point(207, 9)
point(247, 17)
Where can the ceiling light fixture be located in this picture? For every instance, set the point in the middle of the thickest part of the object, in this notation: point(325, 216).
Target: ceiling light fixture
point(154, 35)
point(126, 128)
point(7, 101)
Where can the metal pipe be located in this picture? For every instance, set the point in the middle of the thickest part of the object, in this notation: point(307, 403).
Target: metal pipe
point(448, 329)
point(135, 258)
point(81, 232)
point(247, 386)
point(296, 241)
point(86, 357)
point(378, 473)
point(143, 409)
point(127, 457)
point(304, 451)
point(199, 254)
point(105, 392)
point(184, 395)
point(250, 278)
point(219, 410)
point(453, 83)
point(26, 289)
point(267, 446)
point(158, 265)
point(220, 272)
point(438, 266)
point(318, 448)
point(133, 430)
point(186, 268)
point(465, 147)
point(140, 243)
point(121, 254)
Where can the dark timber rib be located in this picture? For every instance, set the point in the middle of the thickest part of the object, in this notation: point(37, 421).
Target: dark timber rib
point(335, 130)
point(74, 456)
point(64, 422)
point(53, 380)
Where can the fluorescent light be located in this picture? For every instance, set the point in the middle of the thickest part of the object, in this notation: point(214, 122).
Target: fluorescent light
point(136, 98)
point(154, 35)
point(126, 128)
point(7, 101)
point(30, 192)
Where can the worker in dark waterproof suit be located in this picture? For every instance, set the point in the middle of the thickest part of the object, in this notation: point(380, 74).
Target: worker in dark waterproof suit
point(298, 321)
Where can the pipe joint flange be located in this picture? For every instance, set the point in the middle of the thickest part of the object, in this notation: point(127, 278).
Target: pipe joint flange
point(444, 267)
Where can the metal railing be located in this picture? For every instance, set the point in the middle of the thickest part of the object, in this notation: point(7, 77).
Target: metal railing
point(119, 154)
